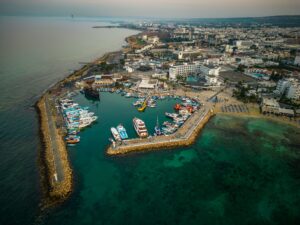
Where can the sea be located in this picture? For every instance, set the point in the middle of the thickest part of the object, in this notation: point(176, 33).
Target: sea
point(240, 170)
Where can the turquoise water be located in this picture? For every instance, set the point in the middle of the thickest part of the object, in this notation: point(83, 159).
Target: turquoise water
point(240, 171)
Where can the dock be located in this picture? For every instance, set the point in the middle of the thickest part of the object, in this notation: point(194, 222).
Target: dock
point(184, 136)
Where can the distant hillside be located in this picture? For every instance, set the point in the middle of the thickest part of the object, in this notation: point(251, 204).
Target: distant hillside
point(282, 21)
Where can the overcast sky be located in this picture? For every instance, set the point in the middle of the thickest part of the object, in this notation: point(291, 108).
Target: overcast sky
point(152, 8)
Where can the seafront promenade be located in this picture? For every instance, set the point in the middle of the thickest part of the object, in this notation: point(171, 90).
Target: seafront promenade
point(185, 136)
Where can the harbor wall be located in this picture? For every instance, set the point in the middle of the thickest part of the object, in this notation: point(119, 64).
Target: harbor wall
point(56, 191)
point(175, 143)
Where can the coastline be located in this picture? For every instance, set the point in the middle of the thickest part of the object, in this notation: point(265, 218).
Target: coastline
point(59, 192)
point(55, 193)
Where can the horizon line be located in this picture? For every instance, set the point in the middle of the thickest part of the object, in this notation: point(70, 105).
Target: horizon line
point(148, 17)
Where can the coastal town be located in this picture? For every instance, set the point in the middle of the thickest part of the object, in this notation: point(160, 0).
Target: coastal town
point(235, 70)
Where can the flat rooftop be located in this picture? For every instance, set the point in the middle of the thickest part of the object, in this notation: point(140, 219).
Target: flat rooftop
point(235, 77)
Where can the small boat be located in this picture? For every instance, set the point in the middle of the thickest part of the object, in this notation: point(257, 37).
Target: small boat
point(171, 115)
point(143, 107)
point(177, 107)
point(140, 127)
point(157, 129)
point(167, 123)
point(73, 140)
point(72, 137)
point(115, 134)
point(138, 103)
point(122, 132)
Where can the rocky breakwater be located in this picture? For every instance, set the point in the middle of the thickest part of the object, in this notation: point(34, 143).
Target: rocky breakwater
point(54, 158)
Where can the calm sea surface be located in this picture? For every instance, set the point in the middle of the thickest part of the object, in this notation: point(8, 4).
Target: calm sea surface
point(35, 53)
point(240, 171)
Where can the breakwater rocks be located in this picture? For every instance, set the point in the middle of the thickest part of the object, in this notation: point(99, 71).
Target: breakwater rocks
point(182, 138)
point(58, 172)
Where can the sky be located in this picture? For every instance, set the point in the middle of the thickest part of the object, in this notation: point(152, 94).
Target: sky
point(151, 8)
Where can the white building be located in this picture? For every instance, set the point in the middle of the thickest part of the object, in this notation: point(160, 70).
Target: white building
point(293, 91)
point(160, 75)
point(148, 84)
point(206, 70)
point(211, 80)
point(289, 87)
point(269, 105)
point(188, 53)
point(183, 70)
point(129, 69)
point(243, 44)
point(247, 61)
point(282, 86)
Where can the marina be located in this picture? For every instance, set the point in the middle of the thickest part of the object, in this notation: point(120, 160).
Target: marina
point(181, 120)
point(75, 119)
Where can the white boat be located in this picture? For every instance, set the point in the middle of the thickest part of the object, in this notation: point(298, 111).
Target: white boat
point(140, 127)
point(171, 115)
point(115, 134)
point(122, 132)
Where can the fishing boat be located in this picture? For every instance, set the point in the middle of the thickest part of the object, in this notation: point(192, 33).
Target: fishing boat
point(137, 103)
point(86, 121)
point(171, 115)
point(140, 127)
point(72, 140)
point(157, 129)
point(115, 134)
point(151, 103)
point(122, 132)
point(177, 107)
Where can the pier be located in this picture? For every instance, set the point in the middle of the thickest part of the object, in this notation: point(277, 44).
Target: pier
point(185, 136)
point(58, 170)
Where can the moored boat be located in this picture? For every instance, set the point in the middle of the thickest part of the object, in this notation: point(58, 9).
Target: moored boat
point(157, 129)
point(115, 134)
point(140, 127)
point(122, 132)
point(143, 107)
point(72, 140)
point(177, 107)
point(171, 115)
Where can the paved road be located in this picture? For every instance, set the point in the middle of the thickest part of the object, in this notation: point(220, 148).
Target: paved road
point(59, 175)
